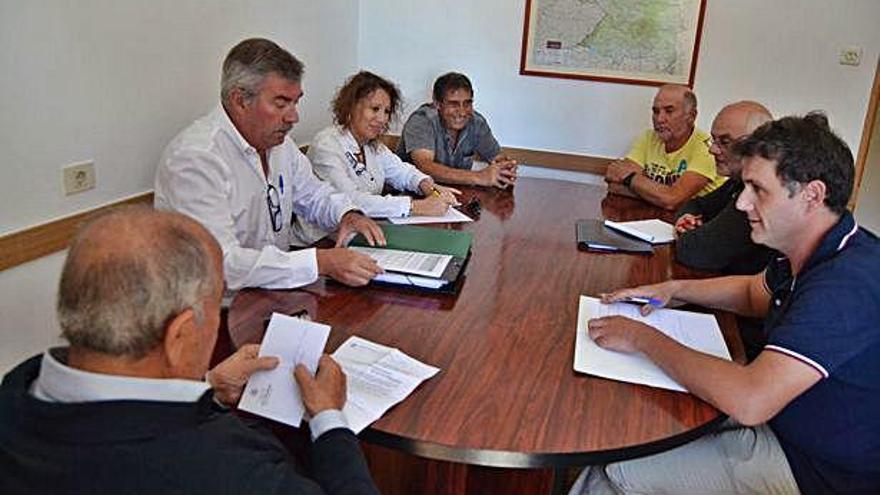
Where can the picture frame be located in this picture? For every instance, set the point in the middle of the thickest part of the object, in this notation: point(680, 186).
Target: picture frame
point(651, 44)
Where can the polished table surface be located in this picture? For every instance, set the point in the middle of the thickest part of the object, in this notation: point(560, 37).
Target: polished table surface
point(507, 395)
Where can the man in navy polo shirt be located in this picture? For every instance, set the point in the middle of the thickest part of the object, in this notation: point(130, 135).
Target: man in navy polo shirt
point(804, 413)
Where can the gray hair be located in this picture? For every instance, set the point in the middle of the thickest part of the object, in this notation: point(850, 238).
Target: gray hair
point(249, 63)
point(690, 100)
point(688, 97)
point(127, 274)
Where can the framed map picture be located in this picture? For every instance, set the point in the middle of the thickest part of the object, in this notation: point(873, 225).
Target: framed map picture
point(650, 42)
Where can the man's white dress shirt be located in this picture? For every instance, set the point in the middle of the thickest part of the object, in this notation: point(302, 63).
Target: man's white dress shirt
point(211, 173)
point(58, 382)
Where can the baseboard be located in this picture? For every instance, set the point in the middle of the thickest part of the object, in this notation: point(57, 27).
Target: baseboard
point(540, 158)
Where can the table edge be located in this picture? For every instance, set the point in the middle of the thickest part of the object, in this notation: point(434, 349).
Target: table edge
point(522, 460)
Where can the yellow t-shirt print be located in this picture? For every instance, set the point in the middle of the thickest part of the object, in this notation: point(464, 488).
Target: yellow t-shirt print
point(665, 168)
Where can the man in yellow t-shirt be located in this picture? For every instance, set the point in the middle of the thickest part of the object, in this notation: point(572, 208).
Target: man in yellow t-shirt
point(670, 163)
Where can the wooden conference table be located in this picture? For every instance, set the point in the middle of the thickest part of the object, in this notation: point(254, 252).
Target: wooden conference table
point(506, 395)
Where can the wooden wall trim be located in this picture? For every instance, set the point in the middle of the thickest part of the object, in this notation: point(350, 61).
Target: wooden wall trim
point(41, 240)
point(867, 132)
point(35, 242)
point(540, 158)
point(560, 161)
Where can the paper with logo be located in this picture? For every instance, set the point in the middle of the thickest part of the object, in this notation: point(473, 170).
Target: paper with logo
point(274, 394)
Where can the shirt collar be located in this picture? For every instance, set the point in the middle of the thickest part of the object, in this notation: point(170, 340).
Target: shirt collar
point(58, 382)
point(835, 240)
point(349, 143)
point(226, 124)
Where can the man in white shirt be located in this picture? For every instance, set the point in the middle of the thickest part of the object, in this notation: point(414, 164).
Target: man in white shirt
point(238, 172)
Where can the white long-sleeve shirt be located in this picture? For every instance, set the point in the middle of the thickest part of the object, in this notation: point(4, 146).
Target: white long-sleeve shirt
point(333, 157)
point(211, 173)
point(58, 382)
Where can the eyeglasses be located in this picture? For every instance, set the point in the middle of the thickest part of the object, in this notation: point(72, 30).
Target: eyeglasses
point(723, 142)
point(274, 203)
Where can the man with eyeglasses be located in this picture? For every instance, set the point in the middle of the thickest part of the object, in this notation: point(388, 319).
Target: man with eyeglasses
point(448, 140)
point(712, 234)
point(238, 172)
point(669, 164)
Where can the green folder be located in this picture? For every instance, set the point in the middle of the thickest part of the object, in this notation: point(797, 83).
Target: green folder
point(423, 240)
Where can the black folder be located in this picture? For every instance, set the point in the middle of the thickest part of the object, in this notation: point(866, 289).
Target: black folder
point(593, 235)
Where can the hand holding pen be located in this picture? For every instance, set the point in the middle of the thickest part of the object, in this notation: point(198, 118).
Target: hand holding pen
point(649, 296)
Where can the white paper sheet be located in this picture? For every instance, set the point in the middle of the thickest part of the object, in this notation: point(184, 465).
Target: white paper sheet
point(423, 264)
point(378, 378)
point(695, 330)
point(452, 216)
point(654, 231)
point(274, 394)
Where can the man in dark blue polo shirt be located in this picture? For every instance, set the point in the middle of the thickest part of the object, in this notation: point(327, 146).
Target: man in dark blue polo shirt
point(804, 413)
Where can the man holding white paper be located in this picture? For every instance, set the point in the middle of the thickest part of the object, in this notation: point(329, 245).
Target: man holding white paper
point(804, 412)
point(130, 406)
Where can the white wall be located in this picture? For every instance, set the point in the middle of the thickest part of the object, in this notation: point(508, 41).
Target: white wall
point(27, 303)
point(781, 52)
point(113, 81)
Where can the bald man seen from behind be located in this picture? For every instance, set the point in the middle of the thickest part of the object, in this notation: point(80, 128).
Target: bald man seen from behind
point(130, 405)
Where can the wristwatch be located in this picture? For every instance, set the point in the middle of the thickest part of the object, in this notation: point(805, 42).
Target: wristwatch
point(628, 180)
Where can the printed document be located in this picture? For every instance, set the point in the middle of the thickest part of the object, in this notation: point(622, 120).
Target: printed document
point(452, 216)
point(378, 378)
point(695, 330)
point(392, 260)
point(274, 394)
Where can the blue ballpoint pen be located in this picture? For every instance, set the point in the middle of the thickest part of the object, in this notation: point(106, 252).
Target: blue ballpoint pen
point(281, 183)
point(644, 300)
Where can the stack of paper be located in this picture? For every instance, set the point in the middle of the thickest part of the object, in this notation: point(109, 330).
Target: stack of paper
point(393, 260)
point(274, 394)
point(420, 257)
point(653, 231)
point(695, 330)
point(378, 378)
point(452, 216)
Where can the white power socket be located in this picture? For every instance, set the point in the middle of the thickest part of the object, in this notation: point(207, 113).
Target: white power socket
point(850, 55)
point(78, 177)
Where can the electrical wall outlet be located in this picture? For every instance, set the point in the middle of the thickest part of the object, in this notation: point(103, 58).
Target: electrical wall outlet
point(78, 177)
point(851, 55)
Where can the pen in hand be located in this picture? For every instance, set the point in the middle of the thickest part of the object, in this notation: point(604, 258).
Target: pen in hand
point(652, 301)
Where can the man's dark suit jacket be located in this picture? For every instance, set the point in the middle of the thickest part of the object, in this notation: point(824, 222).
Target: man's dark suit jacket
point(135, 447)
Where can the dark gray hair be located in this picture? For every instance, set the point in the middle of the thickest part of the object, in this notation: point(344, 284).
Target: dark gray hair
point(127, 274)
point(805, 149)
point(249, 63)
